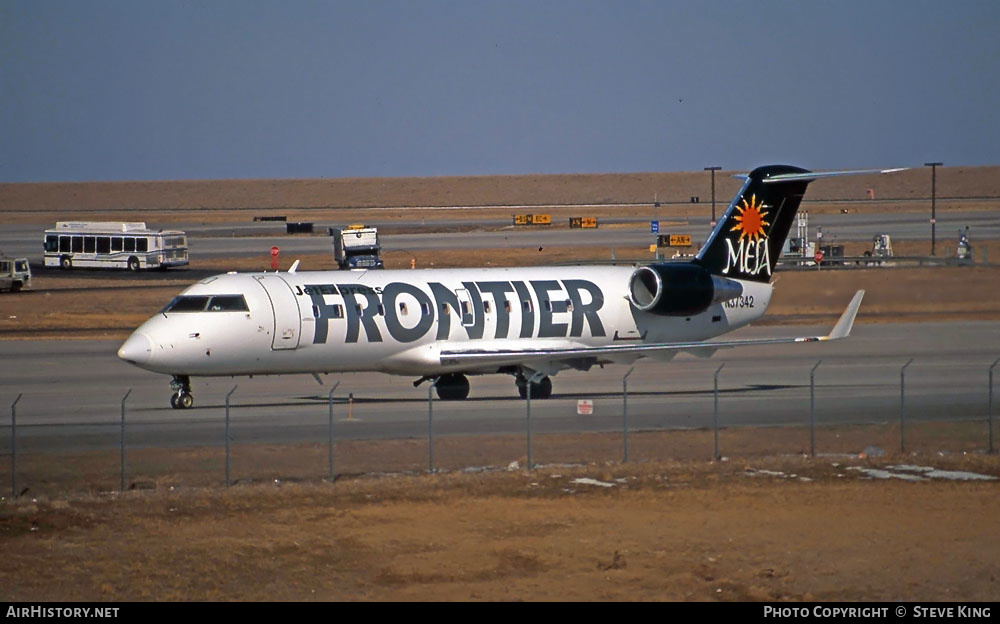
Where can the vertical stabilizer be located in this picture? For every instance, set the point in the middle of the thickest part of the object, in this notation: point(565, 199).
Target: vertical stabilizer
point(748, 239)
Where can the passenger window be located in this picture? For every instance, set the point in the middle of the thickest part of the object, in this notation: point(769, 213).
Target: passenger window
point(425, 308)
point(466, 308)
point(402, 308)
point(381, 310)
point(486, 307)
point(338, 311)
point(527, 305)
point(506, 306)
point(445, 310)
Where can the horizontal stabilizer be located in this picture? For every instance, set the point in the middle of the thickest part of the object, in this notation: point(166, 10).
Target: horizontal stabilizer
point(816, 175)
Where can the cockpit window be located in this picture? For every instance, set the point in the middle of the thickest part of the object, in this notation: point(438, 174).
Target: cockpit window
point(203, 303)
point(227, 303)
point(187, 304)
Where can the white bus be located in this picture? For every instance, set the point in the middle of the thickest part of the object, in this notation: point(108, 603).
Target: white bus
point(113, 244)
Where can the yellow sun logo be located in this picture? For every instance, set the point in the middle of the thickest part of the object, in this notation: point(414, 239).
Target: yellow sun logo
point(750, 222)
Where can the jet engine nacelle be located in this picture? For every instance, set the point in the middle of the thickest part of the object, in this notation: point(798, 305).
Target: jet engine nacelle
point(678, 289)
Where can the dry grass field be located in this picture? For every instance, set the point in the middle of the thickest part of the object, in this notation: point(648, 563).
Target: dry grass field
point(768, 528)
point(769, 524)
point(305, 200)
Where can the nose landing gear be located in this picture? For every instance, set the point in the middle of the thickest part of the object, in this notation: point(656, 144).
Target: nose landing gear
point(181, 399)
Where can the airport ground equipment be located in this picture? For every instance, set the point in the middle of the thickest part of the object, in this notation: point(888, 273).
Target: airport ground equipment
point(356, 247)
point(15, 274)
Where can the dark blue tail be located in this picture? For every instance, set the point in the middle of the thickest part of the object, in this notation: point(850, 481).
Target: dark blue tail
point(748, 239)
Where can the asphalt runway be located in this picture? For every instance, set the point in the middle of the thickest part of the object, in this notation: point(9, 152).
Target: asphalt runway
point(72, 391)
point(252, 239)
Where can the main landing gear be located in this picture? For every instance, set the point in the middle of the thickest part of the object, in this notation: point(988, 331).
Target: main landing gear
point(181, 398)
point(455, 386)
point(541, 389)
point(452, 387)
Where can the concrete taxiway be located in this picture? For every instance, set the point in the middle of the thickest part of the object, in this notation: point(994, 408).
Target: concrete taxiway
point(72, 391)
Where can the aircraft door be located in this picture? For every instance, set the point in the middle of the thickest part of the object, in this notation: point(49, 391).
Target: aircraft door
point(287, 320)
point(468, 310)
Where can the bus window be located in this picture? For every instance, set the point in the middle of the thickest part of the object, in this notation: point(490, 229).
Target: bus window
point(65, 243)
point(116, 243)
point(77, 244)
point(142, 244)
point(228, 303)
point(103, 244)
point(129, 244)
point(195, 303)
point(51, 243)
point(89, 244)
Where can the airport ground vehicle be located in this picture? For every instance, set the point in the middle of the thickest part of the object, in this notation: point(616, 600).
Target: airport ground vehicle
point(356, 247)
point(113, 244)
point(15, 273)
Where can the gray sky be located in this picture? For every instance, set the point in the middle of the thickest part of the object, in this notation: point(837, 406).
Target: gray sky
point(132, 90)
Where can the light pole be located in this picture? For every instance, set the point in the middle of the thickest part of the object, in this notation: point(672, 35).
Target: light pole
point(933, 166)
point(713, 170)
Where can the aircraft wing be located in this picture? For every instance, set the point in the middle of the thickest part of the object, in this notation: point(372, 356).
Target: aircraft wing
point(506, 357)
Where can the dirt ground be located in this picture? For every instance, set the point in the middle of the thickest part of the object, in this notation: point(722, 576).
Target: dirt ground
point(765, 523)
point(759, 528)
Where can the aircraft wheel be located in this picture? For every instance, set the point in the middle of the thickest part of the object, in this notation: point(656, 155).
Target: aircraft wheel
point(184, 400)
point(453, 387)
point(540, 390)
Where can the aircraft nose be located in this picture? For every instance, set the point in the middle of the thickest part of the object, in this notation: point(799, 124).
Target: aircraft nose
point(138, 349)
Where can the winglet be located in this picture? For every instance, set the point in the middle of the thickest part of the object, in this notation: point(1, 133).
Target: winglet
point(295, 265)
point(843, 327)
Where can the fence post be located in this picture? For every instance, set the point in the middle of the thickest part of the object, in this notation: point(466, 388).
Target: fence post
point(812, 410)
point(430, 426)
point(527, 423)
point(330, 431)
point(13, 447)
point(227, 433)
point(124, 398)
point(715, 413)
point(625, 414)
point(989, 413)
point(902, 406)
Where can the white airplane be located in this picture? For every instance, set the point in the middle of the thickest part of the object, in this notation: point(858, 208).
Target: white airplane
point(443, 325)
